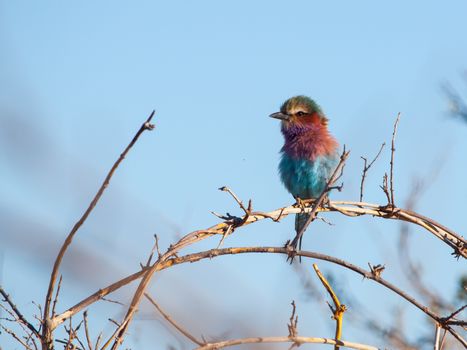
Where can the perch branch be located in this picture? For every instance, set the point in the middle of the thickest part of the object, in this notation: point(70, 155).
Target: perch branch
point(347, 208)
point(454, 240)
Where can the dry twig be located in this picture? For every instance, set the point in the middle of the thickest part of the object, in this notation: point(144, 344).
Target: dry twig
point(172, 322)
point(86, 329)
point(367, 167)
point(47, 325)
point(338, 311)
point(20, 316)
point(393, 150)
point(286, 339)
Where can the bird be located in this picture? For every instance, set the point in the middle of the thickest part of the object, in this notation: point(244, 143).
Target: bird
point(309, 155)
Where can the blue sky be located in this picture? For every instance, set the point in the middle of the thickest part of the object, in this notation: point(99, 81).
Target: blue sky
point(77, 79)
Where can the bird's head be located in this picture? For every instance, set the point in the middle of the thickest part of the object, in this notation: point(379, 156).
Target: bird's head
point(300, 111)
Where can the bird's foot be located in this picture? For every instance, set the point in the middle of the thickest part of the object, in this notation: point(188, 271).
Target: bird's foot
point(291, 251)
point(292, 248)
point(302, 203)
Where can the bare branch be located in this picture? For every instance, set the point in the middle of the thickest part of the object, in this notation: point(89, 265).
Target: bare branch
point(172, 322)
point(437, 331)
point(393, 149)
point(86, 329)
point(367, 167)
point(338, 311)
point(282, 250)
point(95, 297)
point(239, 202)
point(450, 319)
point(454, 240)
point(47, 330)
point(295, 340)
point(292, 326)
point(170, 257)
point(56, 295)
point(18, 339)
point(18, 313)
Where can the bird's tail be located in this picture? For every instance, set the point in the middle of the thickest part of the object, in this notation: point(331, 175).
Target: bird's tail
point(300, 221)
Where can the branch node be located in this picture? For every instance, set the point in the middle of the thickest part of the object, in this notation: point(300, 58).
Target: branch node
point(376, 270)
point(293, 321)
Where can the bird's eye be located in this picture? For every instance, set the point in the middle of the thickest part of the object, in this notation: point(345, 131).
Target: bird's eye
point(300, 113)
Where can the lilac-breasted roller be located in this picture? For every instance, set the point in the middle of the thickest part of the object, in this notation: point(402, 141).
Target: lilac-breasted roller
point(310, 152)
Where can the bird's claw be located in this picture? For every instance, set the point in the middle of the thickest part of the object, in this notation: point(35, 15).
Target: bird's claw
point(301, 203)
point(291, 249)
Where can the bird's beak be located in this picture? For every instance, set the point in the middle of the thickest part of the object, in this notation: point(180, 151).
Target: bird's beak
point(280, 115)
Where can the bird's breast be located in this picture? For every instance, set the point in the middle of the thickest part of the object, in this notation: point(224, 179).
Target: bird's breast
point(306, 178)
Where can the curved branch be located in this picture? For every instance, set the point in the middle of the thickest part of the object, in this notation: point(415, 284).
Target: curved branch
point(349, 208)
point(295, 340)
point(230, 223)
point(282, 250)
point(209, 254)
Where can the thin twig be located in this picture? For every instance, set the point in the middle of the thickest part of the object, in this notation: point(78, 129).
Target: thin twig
point(293, 321)
point(393, 149)
point(70, 334)
point(86, 329)
point(75, 332)
point(154, 249)
point(437, 331)
point(18, 339)
point(47, 330)
point(443, 339)
point(172, 322)
point(99, 337)
point(451, 316)
point(385, 189)
point(13, 334)
point(16, 320)
point(112, 301)
point(239, 202)
point(366, 168)
point(56, 295)
point(114, 322)
point(18, 313)
point(338, 311)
